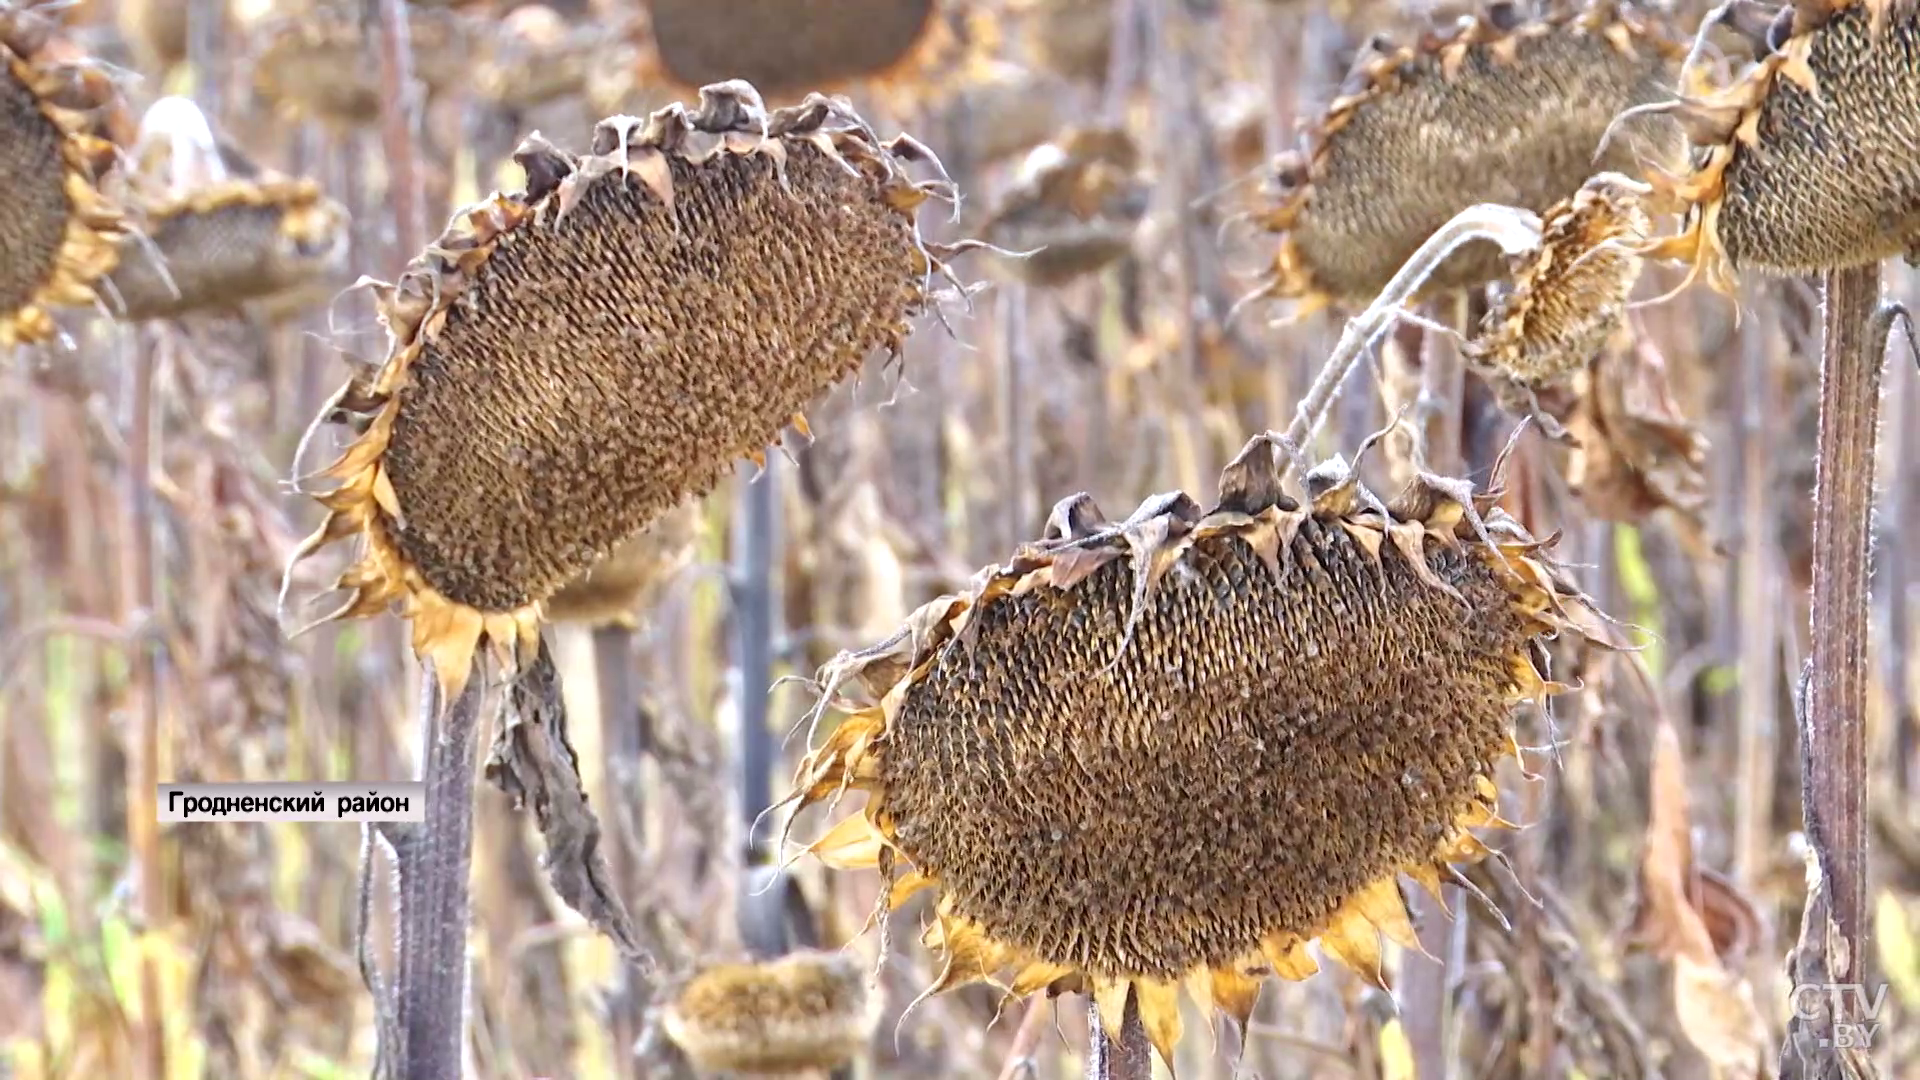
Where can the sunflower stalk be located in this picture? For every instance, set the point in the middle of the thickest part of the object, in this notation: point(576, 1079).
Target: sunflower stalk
point(1126, 1057)
point(432, 861)
point(397, 94)
point(754, 620)
point(1514, 229)
point(1832, 946)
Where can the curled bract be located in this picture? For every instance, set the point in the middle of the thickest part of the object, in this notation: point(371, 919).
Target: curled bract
point(58, 232)
point(1807, 161)
point(1176, 750)
point(810, 1009)
point(1495, 109)
point(570, 362)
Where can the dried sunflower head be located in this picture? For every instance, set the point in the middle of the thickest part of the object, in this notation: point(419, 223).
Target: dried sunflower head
point(57, 231)
point(319, 62)
point(1808, 161)
point(1180, 748)
point(612, 589)
point(1570, 293)
point(570, 362)
point(1076, 206)
point(221, 234)
point(810, 1009)
point(1497, 109)
point(789, 48)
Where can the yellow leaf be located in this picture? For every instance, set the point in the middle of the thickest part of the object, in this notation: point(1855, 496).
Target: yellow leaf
point(1899, 948)
point(1396, 1053)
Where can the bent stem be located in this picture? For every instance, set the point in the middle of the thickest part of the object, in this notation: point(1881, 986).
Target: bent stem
point(1833, 934)
point(1514, 229)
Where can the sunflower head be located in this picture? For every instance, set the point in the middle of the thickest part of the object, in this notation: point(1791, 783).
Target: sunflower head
point(791, 48)
point(1806, 163)
point(1075, 206)
point(1570, 292)
point(613, 589)
point(1175, 750)
point(271, 241)
point(57, 231)
point(1068, 37)
point(1494, 109)
point(534, 56)
point(569, 362)
point(319, 62)
point(810, 1009)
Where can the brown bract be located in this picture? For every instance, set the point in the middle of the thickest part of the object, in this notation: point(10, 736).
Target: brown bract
point(268, 240)
point(807, 1010)
point(612, 589)
point(1180, 748)
point(1811, 160)
point(57, 231)
point(321, 63)
point(1493, 110)
point(1570, 293)
point(570, 362)
point(1076, 207)
point(789, 48)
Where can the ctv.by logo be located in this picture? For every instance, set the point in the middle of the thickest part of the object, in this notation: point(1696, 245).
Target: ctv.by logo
point(1822, 1001)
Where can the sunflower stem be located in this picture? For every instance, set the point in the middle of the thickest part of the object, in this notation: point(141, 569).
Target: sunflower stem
point(1130, 1057)
point(1514, 229)
point(1834, 932)
point(432, 861)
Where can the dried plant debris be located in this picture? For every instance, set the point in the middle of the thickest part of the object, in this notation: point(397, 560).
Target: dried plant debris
point(613, 589)
point(1075, 207)
point(1635, 451)
point(320, 62)
point(570, 362)
point(1496, 109)
point(536, 57)
point(272, 241)
point(1569, 294)
point(57, 231)
point(787, 48)
point(1180, 748)
point(806, 1010)
point(1808, 161)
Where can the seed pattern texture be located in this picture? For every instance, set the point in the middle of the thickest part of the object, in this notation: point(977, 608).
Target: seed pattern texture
point(1176, 749)
point(1497, 110)
point(571, 362)
point(1811, 160)
point(57, 232)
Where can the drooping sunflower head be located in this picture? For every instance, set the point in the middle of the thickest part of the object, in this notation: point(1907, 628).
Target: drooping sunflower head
point(1570, 292)
point(1069, 37)
point(613, 589)
point(1496, 109)
point(1075, 206)
point(57, 231)
point(790, 48)
point(1807, 162)
point(1177, 749)
point(320, 62)
point(569, 362)
point(810, 1009)
point(272, 242)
